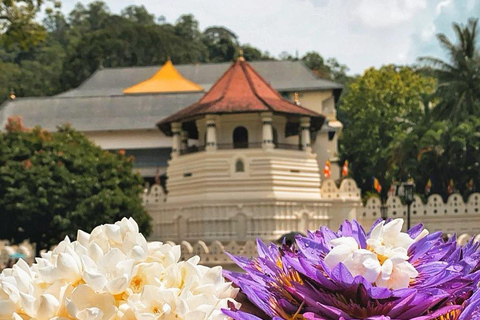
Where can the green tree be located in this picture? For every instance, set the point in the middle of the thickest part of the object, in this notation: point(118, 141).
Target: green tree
point(459, 78)
point(18, 26)
point(138, 14)
point(315, 62)
point(380, 105)
point(52, 184)
point(254, 54)
point(222, 44)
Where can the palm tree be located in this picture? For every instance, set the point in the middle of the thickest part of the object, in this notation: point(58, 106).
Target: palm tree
point(458, 79)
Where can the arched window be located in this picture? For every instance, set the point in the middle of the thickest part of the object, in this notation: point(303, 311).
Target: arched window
point(275, 136)
point(239, 166)
point(240, 138)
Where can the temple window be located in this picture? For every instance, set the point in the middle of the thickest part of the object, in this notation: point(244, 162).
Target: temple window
point(239, 166)
point(240, 138)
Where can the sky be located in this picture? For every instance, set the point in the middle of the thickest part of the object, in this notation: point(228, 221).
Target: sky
point(358, 33)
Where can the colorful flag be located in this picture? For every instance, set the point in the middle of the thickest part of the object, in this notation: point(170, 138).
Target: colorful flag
point(428, 186)
point(451, 187)
point(327, 170)
point(422, 151)
point(345, 169)
point(470, 185)
point(376, 185)
point(393, 190)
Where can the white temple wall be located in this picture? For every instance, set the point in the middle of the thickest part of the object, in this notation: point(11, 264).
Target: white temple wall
point(129, 139)
point(276, 174)
point(454, 216)
point(313, 100)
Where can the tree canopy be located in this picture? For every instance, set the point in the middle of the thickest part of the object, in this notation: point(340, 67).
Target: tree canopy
point(68, 49)
point(53, 184)
point(403, 123)
point(380, 105)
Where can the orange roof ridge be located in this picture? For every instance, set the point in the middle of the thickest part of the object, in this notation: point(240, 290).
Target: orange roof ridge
point(167, 79)
point(240, 90)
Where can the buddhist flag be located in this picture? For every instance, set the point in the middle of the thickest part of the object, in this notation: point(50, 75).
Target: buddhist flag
point(345, 169)
point(327, 170)
point(393, 189)
point(451, 187)
point(470, 185)
point(428, 186)
point(376, 185)
point(422, 151)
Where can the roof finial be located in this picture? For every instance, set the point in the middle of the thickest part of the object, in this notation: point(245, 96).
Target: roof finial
point(296, 99)
point(240, 55)
point(12, 94)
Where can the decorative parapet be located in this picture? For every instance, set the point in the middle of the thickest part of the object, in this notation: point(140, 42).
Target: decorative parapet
point(153, 196)
point(454, 216)
point(348, 190)
point(214, 253)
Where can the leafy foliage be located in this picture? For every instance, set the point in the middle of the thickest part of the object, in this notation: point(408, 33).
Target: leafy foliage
point(400, 124)
point(380, 106)
point(72, 47)
point(18, 25)
point(458, 79)
point(53, 184)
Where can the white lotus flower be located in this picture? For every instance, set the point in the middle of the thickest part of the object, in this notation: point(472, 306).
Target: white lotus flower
point(86, 304)
point(156, 303)
point(384, 262)
point(113, 273)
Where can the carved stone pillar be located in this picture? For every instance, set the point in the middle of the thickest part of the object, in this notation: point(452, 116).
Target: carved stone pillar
point(176, 143)
point(267, 137)
point(211, 133)
point(305, 132)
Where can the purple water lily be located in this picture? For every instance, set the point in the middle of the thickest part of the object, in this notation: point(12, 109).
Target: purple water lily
point(383, 275)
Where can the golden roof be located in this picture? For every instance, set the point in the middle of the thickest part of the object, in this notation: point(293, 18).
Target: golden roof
point(167, 79)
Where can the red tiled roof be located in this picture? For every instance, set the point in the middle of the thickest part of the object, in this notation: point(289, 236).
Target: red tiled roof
point(240, 90)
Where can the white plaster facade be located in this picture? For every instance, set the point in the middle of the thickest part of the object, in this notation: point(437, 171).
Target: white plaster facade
point(325, 144)
point(264, 187)
point(129, 139)
point(454, 216)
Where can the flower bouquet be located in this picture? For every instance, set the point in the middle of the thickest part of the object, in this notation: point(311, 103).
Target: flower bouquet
point(385, 274)
point(113, 273)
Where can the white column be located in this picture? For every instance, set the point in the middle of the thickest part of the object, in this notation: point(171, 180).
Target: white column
point(267, 137)
point(184, 138)
point(211, 133)
point(176, 143)
point(305, 132)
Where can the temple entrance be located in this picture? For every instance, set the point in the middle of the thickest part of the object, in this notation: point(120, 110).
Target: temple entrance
point(240, 138)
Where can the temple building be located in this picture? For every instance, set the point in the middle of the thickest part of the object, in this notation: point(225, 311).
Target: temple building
point(243, 167)
point(118, 109)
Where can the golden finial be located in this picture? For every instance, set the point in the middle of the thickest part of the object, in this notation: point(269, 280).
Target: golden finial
point(240, 55)
point(12, 94)
point(296, 99)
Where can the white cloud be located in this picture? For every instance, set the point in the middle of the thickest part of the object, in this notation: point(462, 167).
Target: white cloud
point(442, 5)
point(380, 14)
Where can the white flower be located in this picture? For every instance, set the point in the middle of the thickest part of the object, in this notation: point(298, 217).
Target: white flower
point(155, 303)
point(113, 273)
point(86, 304)
point(384, 262)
